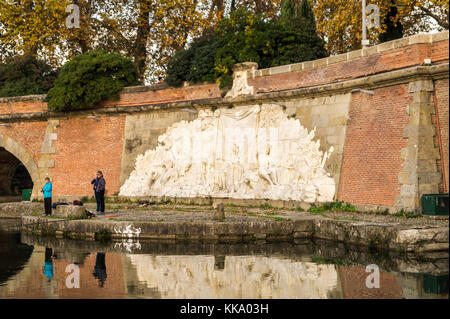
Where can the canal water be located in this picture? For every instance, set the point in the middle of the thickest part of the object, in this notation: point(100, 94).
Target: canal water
point(39, 267)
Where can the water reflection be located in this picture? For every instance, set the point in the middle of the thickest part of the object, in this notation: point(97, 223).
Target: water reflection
point(100, 269)
point(168, 270)
point(48, 263)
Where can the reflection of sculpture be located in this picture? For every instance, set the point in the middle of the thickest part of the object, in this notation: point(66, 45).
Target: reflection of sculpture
point(244, 152)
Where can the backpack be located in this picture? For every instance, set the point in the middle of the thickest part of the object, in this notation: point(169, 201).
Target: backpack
point(77, 202)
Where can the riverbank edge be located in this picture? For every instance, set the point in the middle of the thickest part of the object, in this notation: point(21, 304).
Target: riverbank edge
point(372, 235)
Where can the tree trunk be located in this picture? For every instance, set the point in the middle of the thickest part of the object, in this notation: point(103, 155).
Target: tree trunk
point(143, 32)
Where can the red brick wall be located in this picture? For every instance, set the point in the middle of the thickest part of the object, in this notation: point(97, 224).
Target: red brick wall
point(442, 87)
point(28, 134)
point(353, 281)
point(371, 161)
point(84, 146)
point(23, 106)
point(154, 96)
point(367, 65)
point(440, 51)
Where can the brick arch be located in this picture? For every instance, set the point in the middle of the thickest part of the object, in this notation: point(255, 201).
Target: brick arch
point(26, 158)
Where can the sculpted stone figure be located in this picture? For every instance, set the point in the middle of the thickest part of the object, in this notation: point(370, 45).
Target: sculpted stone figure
point(243, 152)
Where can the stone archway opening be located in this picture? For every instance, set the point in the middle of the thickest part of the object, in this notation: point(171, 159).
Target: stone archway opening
point(14, 177)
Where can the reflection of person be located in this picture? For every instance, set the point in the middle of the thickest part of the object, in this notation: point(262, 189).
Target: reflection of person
point(48, 266)
point(99, 189)
point(47, 190)
point(100, 269)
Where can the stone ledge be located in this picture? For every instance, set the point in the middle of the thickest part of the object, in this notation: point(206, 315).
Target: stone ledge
point(379, 235)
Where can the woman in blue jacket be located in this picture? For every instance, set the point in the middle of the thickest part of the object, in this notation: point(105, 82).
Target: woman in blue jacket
point(47, 190)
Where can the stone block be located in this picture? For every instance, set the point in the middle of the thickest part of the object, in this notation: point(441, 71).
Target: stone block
point(429, 178)
point(219, 211)
point(47, 163)
point(401, 43)
point(408, 190)
point(428, 188)
point(440, 36)
point(420, 38)
point(320, 63)
point(354, 55)
point(66, 211)
point(428, 152)
point(370, 51)
point(296, 67)
point(307, 65)
point(338, 120)
point(418, 131)
point(386, 46)
point(421, 85)
point(337, 58)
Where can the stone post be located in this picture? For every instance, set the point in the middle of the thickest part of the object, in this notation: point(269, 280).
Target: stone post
point(241, 72)
point(219, 212)
point(420, 174)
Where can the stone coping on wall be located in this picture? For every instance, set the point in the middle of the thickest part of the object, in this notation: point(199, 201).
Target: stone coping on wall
point(370, 234)
point(369, 82)
point(354, 55)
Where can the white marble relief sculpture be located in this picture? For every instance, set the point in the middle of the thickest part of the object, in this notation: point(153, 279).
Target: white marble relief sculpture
point(243, 152)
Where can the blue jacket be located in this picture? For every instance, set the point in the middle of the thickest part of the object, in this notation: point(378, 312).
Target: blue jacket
point(47, 190)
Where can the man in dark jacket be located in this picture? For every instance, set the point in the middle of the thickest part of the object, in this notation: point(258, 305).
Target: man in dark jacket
point(99, 189)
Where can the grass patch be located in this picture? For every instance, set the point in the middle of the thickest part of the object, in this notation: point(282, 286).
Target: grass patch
point(407, 214)
point(332, 207)
point(266, 206)
point(382, 212)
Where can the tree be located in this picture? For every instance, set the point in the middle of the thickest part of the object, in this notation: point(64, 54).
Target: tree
point(90, 78)
point(340, 21)
point(148, 31)
point(243, 37)
point(25, 75)
point(394, 30)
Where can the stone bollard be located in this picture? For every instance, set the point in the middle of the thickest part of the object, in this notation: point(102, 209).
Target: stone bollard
point(219, 213)
point(70, 211)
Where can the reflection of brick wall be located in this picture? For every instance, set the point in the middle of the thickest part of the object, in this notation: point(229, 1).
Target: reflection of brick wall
point(114, 286)
point(32, 283)
point(442, 87)
point(372, 161)
point(353, 283)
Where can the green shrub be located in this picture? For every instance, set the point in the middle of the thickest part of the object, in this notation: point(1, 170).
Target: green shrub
point(25, 75)
point(90, 78)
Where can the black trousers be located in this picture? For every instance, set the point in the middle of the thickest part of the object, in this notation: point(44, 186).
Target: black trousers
point(100, 197)
point(48, 205)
